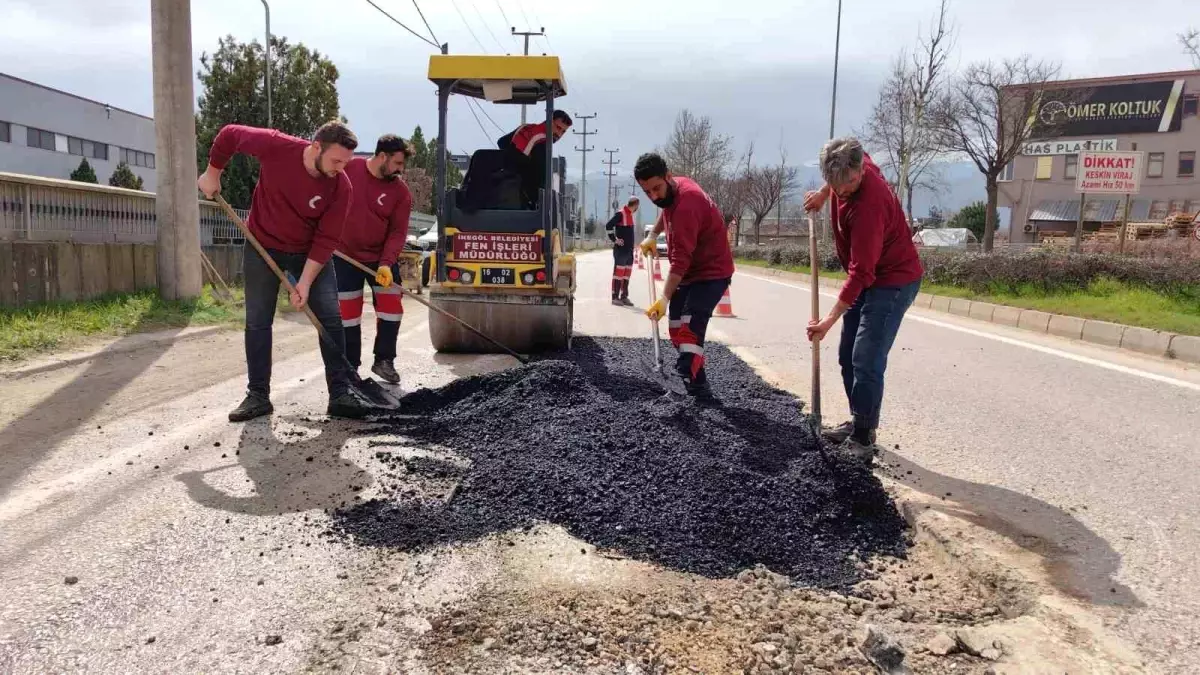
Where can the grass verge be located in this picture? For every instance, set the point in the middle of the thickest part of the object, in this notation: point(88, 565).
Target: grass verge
point(26, 331)
point(1103, 300)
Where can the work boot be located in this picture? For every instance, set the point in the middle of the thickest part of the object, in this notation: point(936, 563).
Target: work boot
point(386, 371)
point(254, 405)
point(617, 301)
point(349, 405)
point(839, 433)
point(626, 301)
point(854, 448)
point(702, 394)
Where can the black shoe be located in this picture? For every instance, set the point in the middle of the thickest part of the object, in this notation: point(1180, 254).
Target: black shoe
point(254, 405)
point(386, 371)
point(617, 302)
point(839, 433)
point(350, 405)
point(703, 395)
point(626, 301)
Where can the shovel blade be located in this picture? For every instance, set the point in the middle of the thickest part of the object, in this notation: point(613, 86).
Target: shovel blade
point(376, 394)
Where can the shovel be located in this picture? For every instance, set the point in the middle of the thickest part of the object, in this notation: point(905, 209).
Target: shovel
point(814, 419)
point(672, 384)
point(371, 273)
point(368, 388)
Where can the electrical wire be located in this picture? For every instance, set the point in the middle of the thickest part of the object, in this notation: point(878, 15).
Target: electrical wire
point(485, 24)
point(485, 114)
point(468, 25)
point(420, 37)
point(477, 121)
point(435, 39)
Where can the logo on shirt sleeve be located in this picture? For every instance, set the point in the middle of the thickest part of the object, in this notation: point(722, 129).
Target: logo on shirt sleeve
point(380, 200)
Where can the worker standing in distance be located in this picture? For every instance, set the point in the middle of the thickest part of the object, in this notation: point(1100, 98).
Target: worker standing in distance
point(526, 153)
point(621, 233)
point(701, 265)
point(883, 275)
point(299, 207)
point(374, 236)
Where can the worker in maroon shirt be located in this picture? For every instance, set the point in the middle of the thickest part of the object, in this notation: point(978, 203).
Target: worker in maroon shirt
point(299, 207)
point(883, 275)
point(374, 236)
point(525, 152)
point(701, 265)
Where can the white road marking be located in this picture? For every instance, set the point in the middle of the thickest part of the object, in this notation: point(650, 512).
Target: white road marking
point(1184, 384)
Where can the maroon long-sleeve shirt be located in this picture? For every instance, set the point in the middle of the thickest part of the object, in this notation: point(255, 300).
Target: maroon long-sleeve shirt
point(379, 212)
point(292, 211)
point(872, 237)
point(696, 243)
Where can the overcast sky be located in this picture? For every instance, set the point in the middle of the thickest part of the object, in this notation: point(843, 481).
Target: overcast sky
point(761, 69)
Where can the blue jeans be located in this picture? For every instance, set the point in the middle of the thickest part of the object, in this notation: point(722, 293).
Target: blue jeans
point(262, 290)
point(869, 328)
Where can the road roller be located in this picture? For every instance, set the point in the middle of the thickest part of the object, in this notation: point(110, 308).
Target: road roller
point(500, 263)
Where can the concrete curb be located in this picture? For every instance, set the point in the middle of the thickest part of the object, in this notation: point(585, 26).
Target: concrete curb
point(1184, 348)
point(129, 343)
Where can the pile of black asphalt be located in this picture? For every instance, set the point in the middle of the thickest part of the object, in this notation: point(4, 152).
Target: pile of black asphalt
point(586, 440)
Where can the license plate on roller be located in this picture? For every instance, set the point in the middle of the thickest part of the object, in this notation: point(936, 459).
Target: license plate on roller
point(498, 276)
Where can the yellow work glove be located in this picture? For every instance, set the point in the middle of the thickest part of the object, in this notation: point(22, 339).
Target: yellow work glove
point(657, 310)
point(383, 276)
point(649, 246)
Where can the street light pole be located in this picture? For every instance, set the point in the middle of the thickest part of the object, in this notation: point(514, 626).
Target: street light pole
point(837, 45)
point(267, 55)
point(527, 34)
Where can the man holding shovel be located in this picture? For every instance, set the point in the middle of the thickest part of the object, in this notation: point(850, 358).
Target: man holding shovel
point(701, 265)
point(883, 275)
point(374, 235)
point(299, 207)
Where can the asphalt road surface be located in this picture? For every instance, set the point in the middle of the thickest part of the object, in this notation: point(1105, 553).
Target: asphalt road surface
point(131, 541)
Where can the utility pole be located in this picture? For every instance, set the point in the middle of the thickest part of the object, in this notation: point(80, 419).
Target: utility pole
point(609, 197)
point(177, 207)
point(583, 176)
point(527, 34)
point(267, 60)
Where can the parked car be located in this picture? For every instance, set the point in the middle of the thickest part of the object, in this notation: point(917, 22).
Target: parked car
point(662, 245)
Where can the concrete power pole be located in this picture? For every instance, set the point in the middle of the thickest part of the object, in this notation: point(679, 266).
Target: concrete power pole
point(527, 34)
point(583, 180)
point(177, 206)
point(609, 196)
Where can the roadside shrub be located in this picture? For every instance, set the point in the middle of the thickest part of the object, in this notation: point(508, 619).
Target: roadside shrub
point(1037, 270)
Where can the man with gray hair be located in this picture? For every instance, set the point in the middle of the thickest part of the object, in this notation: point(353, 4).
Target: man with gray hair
point(883, 275)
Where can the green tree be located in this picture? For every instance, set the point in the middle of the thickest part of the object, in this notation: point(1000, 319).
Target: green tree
point(425, 159)
point(303, 97)
point(124, 177)
point(85, 173)
point(973, 217)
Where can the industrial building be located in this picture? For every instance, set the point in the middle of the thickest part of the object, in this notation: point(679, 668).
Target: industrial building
point(1156, 114)
point(47, 132)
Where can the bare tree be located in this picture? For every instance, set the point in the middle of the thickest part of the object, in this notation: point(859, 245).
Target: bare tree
point(899, 126)
point(1190, 40)
point(765, 186)
point(695, 150)
point(985, 114)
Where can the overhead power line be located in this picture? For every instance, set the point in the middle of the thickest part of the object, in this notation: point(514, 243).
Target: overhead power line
point(485, 114)
point(400, 23)
point(468, 25)
point(477, 121)
point(435, 39)
point(485, 25)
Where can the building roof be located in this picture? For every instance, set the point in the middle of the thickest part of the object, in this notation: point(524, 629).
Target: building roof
point(74, 96)
point(1067, 210)
point(1115, 79)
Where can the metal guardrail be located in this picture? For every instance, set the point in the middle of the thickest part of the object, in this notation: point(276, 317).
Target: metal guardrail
point(33, 208)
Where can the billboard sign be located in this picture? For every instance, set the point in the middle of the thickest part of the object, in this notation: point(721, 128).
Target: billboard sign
point(1138, 108)
point(1068, 147)
point(1110, 172)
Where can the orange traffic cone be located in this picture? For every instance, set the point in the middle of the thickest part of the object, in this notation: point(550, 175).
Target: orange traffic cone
point(637, 258)
point(725, 306)
point(657, 271)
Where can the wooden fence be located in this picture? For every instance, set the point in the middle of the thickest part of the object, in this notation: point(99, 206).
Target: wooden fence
point(35, 272)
